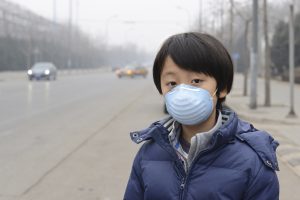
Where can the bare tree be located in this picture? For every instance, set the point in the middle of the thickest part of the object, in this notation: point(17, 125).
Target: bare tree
point(247, 20)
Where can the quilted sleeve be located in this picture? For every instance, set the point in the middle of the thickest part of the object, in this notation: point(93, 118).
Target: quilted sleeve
point(264, 186)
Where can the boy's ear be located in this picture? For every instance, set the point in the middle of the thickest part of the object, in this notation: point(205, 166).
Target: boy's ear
point(223, 93)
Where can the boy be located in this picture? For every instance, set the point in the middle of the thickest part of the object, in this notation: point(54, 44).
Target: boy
point(202, 151)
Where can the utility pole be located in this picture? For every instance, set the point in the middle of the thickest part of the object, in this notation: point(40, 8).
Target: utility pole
point(54, 11)
point(267, 58)
point(253, 57)
point(69, 64)
point(231, 28)
point(77, 62)
point(77, 13)
point(29, 50)
point(54, 35)
point(200, 15)
point(246, 57)
point(54, 19)
point(221, 20)
point(291, 60)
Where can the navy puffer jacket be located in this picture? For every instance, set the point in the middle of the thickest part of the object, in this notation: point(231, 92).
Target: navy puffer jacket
point(239, 164)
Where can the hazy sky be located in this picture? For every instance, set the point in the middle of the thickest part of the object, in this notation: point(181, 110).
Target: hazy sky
point(144, 22)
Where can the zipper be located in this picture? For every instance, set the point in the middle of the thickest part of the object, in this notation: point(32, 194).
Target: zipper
point(184, 175)
point(180, 170)
point(182, 186)
point(184, 179)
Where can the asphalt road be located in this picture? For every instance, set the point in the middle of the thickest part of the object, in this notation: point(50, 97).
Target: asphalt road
point(69, 139)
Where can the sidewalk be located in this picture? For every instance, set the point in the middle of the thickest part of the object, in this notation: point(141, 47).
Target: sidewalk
point(279, 109)
point(275, 121)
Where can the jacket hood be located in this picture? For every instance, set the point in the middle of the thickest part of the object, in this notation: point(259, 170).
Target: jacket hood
point(260, 141)
point(264, 145)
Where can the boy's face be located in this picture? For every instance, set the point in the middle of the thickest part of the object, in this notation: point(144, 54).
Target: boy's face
point(172, 76)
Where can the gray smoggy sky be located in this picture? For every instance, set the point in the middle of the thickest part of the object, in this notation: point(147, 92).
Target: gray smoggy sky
point(146, 23)
point(143, 22)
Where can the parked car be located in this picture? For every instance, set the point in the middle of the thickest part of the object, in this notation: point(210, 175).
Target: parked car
point(132, 71)
point(42, 70)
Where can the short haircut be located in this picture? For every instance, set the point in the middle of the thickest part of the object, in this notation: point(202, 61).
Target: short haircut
point(196, 52)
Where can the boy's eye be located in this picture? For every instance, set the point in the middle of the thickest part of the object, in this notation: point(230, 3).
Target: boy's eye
point(196, 81)
point(171, 84)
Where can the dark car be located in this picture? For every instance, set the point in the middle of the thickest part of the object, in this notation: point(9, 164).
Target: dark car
point(42, 70)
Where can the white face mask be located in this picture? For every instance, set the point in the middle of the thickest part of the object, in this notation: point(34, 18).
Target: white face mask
point(189, 105)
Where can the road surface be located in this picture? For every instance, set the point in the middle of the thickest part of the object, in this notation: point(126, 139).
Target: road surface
point(69, 139)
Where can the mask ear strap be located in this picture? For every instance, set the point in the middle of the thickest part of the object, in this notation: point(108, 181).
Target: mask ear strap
point(215, 92)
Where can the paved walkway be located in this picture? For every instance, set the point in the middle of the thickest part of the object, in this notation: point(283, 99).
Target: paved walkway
point(275, 121)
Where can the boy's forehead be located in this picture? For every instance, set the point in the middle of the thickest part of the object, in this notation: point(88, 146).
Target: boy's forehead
point(172, 70)
point(170, 64)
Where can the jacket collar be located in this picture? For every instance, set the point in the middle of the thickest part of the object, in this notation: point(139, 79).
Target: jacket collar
point(234, 128)
point(226, 131)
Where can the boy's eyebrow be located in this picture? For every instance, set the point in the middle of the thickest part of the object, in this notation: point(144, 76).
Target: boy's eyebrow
point(199, 73)
point(168, 74)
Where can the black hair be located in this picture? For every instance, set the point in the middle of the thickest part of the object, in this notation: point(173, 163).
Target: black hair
point(196, 52)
